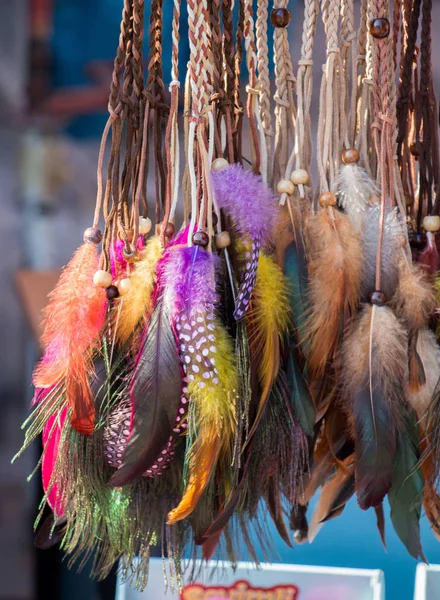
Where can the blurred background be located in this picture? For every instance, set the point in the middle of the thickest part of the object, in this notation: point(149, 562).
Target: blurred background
point(55, 67)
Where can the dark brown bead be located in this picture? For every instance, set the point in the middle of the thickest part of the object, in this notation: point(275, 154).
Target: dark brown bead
point(380, 28)
point(378, 298)
point(112, 292)
point(200, 238)
point(93, 235)
point(414, 149)
point(280, 17)
point(169, 230)
point(350, 156)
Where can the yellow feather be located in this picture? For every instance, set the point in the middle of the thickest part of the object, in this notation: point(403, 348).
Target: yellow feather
point(268, 320)
point(136, 304)
point(212, 422)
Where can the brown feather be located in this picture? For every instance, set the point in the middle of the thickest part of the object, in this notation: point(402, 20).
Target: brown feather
point(335, 268)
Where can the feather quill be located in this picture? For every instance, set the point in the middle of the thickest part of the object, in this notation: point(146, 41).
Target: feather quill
point(268, 321)
point(354, 188)
point(374, 375)
point(137, 303)
point(335, 268)
point(253, 207)
point(73, 320)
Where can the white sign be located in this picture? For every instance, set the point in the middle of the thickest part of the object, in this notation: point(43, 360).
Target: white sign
point(268, 582)
point(427, 582)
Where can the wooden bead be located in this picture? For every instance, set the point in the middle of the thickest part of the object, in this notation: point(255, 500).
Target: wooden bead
point(380, 28)
point(350, 156)
point(112, 292)
point(219, 164)
point(145, 225)
point(223, 240)
point(431, 223)
point(169, 230)
point(280, 17)
point(378, 298)
point(93, 235)
point(124, 286)
point(102, 278)
point(285, 186)
point(414, 150)
point(327, 199)
point(131, 255)
point(200, 238)
point(299, 177)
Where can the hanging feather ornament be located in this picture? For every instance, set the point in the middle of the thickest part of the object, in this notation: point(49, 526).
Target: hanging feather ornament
point(73, 321)
point(252, 207)
point(335, 268)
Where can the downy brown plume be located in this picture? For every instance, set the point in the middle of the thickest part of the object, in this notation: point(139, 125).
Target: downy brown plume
point(73, 321)
point(335, 269)
point(374, 355)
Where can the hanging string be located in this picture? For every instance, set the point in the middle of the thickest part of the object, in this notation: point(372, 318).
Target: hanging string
point(264, 95)
point(252, 92)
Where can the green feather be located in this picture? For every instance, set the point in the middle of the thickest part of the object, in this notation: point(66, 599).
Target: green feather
point(300, 397)
point(295, 271)
point(406, 493)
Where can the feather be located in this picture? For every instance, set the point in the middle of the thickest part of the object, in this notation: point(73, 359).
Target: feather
point(275, 506)
point(354, 188)
point(301, 398)
point(298, 523)
point(429, 258)
point(137, 302)
point(380, 523)
point(394, 232)
point(374, 376)
point(156, 393)
point(406, 493)
point(334, 283)
point(295, 272)
point(51, 444)
point(50, 533)
point(73, 320)
point(253, 207)
point(268, 321)
point(207, 357)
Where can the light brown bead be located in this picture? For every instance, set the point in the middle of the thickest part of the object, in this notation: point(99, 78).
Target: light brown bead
point(223, 240)
point(380, 28)
point(124, 286)
point(102, 279)
point(350, 156)
point(431, 223)
point(327, 199)
point(299, 177)
point(280, 17)
point(145, 225)
point(285, 186)
point(219, 164)
point(169, 230)
point(131, 255)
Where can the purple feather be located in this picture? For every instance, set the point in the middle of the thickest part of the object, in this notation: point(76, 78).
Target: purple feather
point(253, 208)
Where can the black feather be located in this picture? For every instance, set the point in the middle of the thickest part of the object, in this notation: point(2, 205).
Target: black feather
point(156, 393)
point(50, 533)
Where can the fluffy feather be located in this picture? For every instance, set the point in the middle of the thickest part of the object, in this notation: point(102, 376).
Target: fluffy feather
point(334, 283)
point(253, 207)
point(73, 321)
point(429, 258)
point(354, 188)
point(429, 352)
point(268, 321)
point(374, 356)
point(394, 230)
point(137, 303)
point(211, 422)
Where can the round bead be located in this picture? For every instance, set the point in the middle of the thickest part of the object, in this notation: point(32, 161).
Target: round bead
point(299, 177)
point(408, 200)
point(380, 28)
point(280, 17)
point(145, 225)
point(350, 156)
point(285, 186)
point(223, 240)
point(124, 285)
point(131, 255)
point(414, 149)
point(93, 235)
point(102, 278)
point(431, 223)
point(169, 230)
point(300, 536)
point(219, 164)
point(327, 199)
point(200, 238)
point(378, 298)
point(112, 292)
